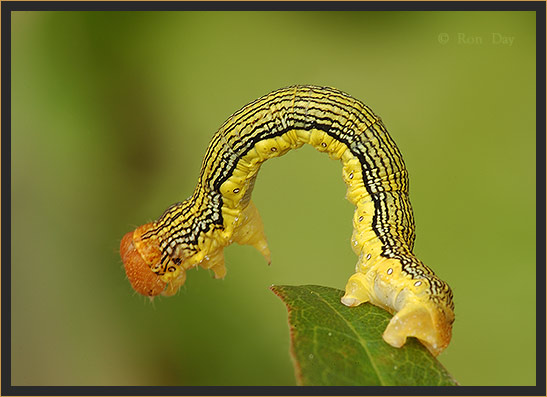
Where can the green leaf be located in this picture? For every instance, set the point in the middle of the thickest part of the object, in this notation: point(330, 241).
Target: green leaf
point(332, 344)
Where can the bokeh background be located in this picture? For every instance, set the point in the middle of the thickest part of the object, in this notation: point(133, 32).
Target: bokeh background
point(112, 113)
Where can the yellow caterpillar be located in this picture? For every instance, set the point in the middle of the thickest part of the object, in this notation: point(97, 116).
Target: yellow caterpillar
point(220, 211)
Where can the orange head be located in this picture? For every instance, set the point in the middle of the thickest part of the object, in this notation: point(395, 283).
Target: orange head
point(138, 257)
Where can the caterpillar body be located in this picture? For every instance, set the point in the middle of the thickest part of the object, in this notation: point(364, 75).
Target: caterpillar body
point(220, 211)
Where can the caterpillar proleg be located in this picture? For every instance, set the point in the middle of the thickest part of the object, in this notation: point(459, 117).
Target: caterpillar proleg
point(220, 211)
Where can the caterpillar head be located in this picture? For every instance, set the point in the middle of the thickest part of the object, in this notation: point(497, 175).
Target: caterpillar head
point(140, 256)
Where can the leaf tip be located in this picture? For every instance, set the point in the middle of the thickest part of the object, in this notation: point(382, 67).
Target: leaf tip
point(276, 289)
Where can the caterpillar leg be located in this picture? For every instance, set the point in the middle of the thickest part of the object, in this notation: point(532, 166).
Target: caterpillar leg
point(251, 231)
point(215, 262)
point(416, 314)
point(175, 282)
point(357, 290)
point(219, 270)
point(422, 321)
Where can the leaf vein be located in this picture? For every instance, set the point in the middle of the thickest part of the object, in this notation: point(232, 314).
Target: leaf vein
point(361, 341)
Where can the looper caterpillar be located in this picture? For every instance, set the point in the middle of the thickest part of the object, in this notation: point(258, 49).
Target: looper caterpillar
point(220, 211)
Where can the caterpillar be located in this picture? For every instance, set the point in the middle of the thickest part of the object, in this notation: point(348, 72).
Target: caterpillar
point(194, 232)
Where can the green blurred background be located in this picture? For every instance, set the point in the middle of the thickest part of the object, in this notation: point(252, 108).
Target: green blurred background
point(112, 113)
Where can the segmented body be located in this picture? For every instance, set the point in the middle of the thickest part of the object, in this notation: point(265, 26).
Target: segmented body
point(220, 211)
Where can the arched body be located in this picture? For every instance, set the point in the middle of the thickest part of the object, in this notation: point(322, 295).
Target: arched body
point(220, 212)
